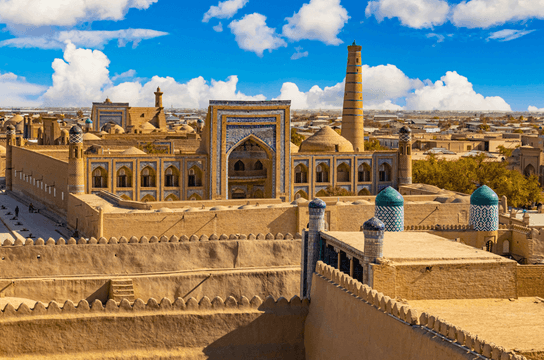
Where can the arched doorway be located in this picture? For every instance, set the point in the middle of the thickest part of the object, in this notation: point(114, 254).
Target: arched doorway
point(529, 170)
point(250, 170)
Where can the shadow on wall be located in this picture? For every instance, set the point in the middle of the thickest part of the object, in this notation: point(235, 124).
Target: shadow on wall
point(276, 334)
point(101, 294)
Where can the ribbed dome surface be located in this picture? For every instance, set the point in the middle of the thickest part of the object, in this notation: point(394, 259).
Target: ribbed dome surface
point(317, 203)
point(484, 195)
point(389, 197)
point(374, 224)
point(326, 140)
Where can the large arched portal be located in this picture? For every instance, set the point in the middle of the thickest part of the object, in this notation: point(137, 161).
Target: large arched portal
point(250, 170)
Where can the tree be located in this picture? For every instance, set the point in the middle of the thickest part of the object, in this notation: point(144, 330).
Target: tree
point(504, 151)
point(373, 145)
point(518, 131)
point(296, 138)
point(484, 127)
point(335, 191)
point(79, 114)
point(467, 174)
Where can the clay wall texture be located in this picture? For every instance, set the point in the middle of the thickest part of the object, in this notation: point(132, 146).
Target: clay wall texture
point(50, 170)
point(230, 329)
point(530, 280)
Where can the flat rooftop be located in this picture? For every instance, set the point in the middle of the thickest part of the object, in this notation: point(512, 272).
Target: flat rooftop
point(512, 324)
point(410, 247)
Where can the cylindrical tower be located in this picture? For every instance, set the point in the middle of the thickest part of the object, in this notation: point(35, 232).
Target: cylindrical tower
point(390, 209)
point(311, 245)
point(76, 166)
point(10, 134)
point(373, 230)
point(158, 98)
point(484, 217)
point(88, 125)
point(405, 156)
point(352, 114)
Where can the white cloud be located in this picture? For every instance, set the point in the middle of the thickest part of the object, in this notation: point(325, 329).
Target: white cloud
point(535, 109)
point(385, 82)
point(83, 38)
point(487, 13)
point(318, 20)
point(65, 12)
point(316, 98)
point(508, 34)
point(224, 10)
point(252, 34)
point(127, 74)
point(439, 38)
point(299, 53)
point(218, 27)
point(413, 13)
point(16, 91)
point(453, 92)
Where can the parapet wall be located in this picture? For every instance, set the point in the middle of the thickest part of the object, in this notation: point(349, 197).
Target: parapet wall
point(226, 329)
point(144, 256)
point(531, 280)
point(349, 320)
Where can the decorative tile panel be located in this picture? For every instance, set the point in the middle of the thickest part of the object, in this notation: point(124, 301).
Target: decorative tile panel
point(103, 165)
point(151, 164)
point(484, 217)
point(392, 217)
point(119, 165)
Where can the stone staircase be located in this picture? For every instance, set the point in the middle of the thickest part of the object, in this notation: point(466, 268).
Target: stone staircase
point(121, 289)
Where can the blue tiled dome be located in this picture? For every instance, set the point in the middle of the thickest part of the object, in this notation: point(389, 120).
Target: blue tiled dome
point(405, 130)
point(317, 203)
point(75, 130)
point(374, 224)
point(200, 121)
point(484, 195)
point(88, 121)
point(389, 197)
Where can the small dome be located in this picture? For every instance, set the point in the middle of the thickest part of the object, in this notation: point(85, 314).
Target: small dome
point(89, 136)
point(294, 148)
point(374, 224)
point(107, 101)
point(200, 121)
point(133, 151)
point(405, 130)
point(75, 130)
point(484, 195)
point(16, 119)
point(326, 140)
point(389, 197)
point(317, 203)
point(187, 128)
point(88, 121)
point(64, 132)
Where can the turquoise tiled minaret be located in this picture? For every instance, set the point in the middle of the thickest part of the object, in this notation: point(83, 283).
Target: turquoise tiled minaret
point(390, 209)
point(484, 209)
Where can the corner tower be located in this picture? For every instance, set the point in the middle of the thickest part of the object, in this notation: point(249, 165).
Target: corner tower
point(352, 114)
point(158, 98)
point(405, 156)
point(484, 217)
point(390, 209)
point(76, 166)
point(10, 134)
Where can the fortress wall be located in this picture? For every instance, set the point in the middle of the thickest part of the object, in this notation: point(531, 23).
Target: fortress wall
point(254, 220)
point(530, 280)
point(83, 216)
point(49, 170)
point(234, 328)
point(143, 258)
point(348, 320)
point(263, 282)
point(471, 280)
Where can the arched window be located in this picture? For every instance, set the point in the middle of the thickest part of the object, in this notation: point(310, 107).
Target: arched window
point(124, 178)
point(171, 177)
point(385, 172)
point(99, 178)
point(148, 177)
point(301, 194)
point(258, 165)
point(258, 194)
point(401, 150)
point(322, 173)
point(408, 150)
point(194, 177)
point(239, 166)
point(148, 198)
point(529, 170)
point(342, 173)
point(364, 173)
point(301, 174)
point(489, 245)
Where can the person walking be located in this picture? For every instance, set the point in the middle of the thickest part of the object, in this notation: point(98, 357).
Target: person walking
point(17, 211)
point(30, 208)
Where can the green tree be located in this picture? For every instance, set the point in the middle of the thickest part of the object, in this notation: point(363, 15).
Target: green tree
point(335, 191)
point(484, 127)
point(296, 138)
point(466, 174)
point(504, 151)
point(518, 131)
point(373, 145)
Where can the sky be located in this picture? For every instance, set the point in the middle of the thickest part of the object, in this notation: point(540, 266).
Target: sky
point(479, 55)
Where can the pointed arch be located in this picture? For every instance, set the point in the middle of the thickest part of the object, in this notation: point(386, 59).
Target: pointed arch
point(194, 177)
point(171, 197)
point(301, 194)
point(125, 197)
point(343, 173)
point(385, 172)
point(147, 177)
point(124, 177)
point(100, 177)
point(322, 173)
point(363, 192)
point(171, 176)
point(195, 197)
point(301, 174)
point(364, 173)
point(148, 198)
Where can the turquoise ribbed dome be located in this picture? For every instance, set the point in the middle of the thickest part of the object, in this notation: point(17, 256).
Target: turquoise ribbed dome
point(317, 203)
point(484, 195)
point(88, 121)
point(389, 197)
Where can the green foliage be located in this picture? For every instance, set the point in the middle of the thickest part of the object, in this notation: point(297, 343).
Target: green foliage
point(466, 174)
point(518, 131)
point(373, 145)
point(335, 191)
point(296, 138)
point(484, 127)
point(504, 151)
point(150, 148)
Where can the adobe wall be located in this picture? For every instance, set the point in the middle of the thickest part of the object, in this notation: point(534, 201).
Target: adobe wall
point(470, 280)
point(81, 215)
point(530, 280)
point(348, 320)
point(142, 257)
point(263, 282)
point(236, 328)
point(51, 171)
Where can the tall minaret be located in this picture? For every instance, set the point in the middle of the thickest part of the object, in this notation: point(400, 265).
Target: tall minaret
point(158, 98)
point(405, 156)
point(352, 115)
point(76, 166)
point(10, 134)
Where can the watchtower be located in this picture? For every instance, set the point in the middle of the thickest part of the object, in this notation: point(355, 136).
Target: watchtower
point(352, 114)
point(76, 166)
point(405, 156)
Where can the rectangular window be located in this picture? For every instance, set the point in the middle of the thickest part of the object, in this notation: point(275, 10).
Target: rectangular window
point(62, 195)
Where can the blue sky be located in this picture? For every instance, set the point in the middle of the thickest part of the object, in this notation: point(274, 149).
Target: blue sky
point(418, 54)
